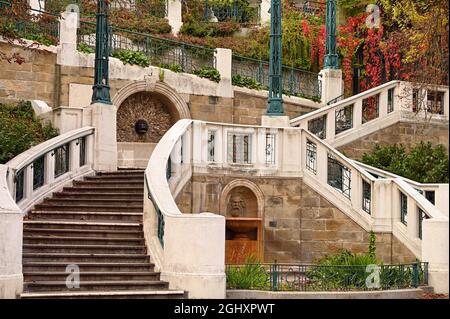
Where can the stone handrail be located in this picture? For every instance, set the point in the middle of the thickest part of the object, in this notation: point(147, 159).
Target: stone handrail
point(188, 249)
point(389, 112)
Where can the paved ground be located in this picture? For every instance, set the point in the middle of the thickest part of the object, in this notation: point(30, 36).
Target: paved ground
point(434, 296)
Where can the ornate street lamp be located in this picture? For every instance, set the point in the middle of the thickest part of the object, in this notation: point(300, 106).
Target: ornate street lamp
point(275, 102)
point(331, 59)
point(101, 86)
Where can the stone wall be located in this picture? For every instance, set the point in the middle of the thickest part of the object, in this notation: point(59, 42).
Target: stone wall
point(407, 133)
point(299, 224)
point(31, 80)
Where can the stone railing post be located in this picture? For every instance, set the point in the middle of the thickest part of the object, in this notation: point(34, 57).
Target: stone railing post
point(174, 15)
point(67, 48)
point(11, 229)
point(265, 15)
point(435, 252)
point(332, 85)
point(223, 65)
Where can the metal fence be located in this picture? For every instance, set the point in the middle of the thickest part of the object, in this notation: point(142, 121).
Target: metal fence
point(304, 277)
point(233, 11)
point(296, 82)
point(160, 52)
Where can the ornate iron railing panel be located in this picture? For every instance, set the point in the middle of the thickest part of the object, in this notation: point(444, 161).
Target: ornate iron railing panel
point(344, 119)
point(318, 127)
point(19, 180)
point(311, 156)
point(370, 108)
point(169, 168)
point(338, 176)
point(390, 101)
point(61, 159)
point(422, 216)
point(403, 208)
point(82, 145)
point(38, 172)
point(239, 148)
point(307, 277)
point(238, 11)
point(160, 223)
point(270, 148)
point(211, 145)
point(366, 197)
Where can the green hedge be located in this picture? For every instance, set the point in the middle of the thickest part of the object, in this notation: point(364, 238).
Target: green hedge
point(20, 130)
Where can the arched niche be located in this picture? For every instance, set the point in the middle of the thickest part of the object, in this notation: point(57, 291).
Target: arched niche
point(249, 193)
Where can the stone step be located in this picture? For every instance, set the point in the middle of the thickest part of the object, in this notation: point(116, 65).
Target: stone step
point(126, 207)
point(96, 285)
point(88, 216)
point(46, 239)
point(105, 190)
point(95, 201)
point(107, 183)
point(34, 230)
point(116, 177)
point(74, 258)
point(91, 276)
point(123, 171)
point(29, 225)
point(86, 196)
point(33, 266)
point(130, 294)
point(88, 249)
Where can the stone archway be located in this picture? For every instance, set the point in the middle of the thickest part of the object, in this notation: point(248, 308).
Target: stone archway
point(158, 105)
point(242, 204)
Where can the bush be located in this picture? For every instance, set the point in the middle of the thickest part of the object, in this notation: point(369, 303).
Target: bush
point(132, 57)
point(424, 163)
point(20, 130)
point(83, 47)
point(244, 81)
point(209, 73)
point(197, 28)
point(172, 67)
point(252, 275)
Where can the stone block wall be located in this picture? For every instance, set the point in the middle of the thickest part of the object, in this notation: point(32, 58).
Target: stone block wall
point(407, 133)
point(32, 80)
point(299, 224)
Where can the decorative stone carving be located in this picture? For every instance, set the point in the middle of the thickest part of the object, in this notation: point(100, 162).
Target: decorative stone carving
point(237, 206)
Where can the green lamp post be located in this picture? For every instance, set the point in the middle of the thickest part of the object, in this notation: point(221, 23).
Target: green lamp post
point(101, 82)
point(275, 102)
point(331, 59)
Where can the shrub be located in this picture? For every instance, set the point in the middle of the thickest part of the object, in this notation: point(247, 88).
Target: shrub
point(83, 47)
point(209, 73)
point(132, 57)
point(172, 67)
point(20, 130)
point(424, 163)
point(244, 81)
point(252, 275)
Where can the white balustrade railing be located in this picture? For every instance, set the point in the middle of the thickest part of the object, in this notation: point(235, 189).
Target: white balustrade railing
point(344, 121)
point(39, 171)
point(197, 147)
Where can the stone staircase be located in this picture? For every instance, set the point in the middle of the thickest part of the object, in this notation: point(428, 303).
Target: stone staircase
point(97, 225)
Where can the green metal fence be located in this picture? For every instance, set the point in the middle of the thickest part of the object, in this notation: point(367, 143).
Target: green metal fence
point(161, 52)
point(238, 11)
point(296, 82)
point(306, 277)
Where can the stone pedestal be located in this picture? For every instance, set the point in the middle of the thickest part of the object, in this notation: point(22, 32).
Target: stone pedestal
point(275, 121)
point(67, 48)
point(174, 15)
point(332, 85)
point(223, 65)
point(103, 118)
point(265, 15)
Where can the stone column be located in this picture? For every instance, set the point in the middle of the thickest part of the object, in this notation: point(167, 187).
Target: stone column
point(105, 140)
point(174, 16)
point(11, 234)
point(332, 85)
point(223, 65)
point(265, 15)
point(67, 48)
point(435, 252)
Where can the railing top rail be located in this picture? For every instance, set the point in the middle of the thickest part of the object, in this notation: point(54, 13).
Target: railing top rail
point(340, 156)
point(387, 174)
point(344, 102)
point(37, 151)
point(429, 209)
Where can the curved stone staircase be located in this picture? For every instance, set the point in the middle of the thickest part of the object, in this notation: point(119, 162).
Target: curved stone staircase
point(97, 225)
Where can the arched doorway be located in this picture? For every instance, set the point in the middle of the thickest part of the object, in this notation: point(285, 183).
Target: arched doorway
point(242, 204)
point(146, 111)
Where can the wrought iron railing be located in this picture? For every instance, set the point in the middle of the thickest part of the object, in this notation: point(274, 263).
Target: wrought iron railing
point(308, 277)
point(296, 82)
point(232, 11)
point(160, 223)
point(160, 52)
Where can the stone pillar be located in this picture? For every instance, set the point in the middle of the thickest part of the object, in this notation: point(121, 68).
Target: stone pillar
point(275, 121)
point(67, 48)
point(435, 252)
point(105, 140)
point(36, 5)
point(223, 65)
point(174, 16)
point(11, 234)
point(332, 85)
point(265, 15)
